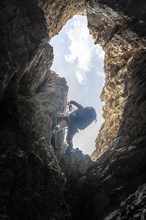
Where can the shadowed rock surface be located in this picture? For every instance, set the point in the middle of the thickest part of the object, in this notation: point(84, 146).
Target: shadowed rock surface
point(37, 180)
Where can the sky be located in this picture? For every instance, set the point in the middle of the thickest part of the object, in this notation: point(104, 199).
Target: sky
point(80, 61)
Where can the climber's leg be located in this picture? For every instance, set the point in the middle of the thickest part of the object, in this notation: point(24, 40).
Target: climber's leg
point(62, 123)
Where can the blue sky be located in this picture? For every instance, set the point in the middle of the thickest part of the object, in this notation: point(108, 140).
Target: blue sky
point(81, 62)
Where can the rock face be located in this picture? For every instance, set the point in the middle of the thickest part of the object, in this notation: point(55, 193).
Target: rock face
point(37, 181)
point(31, 179)
point(116, 28)
point(59, 12)
point(134, 206)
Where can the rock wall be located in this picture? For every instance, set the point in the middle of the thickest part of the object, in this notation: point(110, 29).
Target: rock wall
point(31, 180)
point(120, 170)
point(37, 181)
point(59, 12)
point(116, 27)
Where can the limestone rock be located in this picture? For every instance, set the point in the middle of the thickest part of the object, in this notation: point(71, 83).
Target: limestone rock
point(31, 180)
point(21, 35)
point(135, 205)
point(116, 31)
point(57, 13)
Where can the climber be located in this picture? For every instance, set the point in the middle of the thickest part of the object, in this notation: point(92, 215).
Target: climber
point(78, 119)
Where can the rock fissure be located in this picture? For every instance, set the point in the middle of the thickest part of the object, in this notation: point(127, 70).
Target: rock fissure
point(37, 181)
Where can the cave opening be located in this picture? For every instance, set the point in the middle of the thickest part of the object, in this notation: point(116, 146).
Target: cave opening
point(81, 62)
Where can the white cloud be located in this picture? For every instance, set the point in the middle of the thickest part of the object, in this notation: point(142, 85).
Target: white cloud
point(81, 49)
point(81, 77)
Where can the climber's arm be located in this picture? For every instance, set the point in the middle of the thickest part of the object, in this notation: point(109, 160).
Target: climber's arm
point(80, 107)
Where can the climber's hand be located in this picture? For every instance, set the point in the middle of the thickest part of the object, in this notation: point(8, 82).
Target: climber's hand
point(70, 106)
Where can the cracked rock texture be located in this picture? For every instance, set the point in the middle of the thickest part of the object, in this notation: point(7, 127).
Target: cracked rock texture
point(59, 12)
point(117, 28)
point(37, 181)
point(135, 205)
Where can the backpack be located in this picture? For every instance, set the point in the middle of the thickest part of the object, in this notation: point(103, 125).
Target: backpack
point(85, 117)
